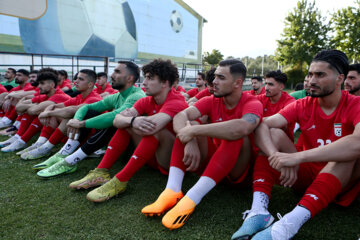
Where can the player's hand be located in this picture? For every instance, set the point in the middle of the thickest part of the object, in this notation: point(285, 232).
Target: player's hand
point(73, 133)
point(6, 106)
point(75, 123)
point(185, 134)
point(279, 160)
point(144, 124)
point(191, 156)
point(288, 176)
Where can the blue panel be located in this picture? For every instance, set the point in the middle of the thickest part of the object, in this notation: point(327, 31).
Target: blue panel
point(98, 47)
point(129, 19)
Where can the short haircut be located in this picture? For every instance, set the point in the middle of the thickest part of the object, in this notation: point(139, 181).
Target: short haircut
point(49, 70)
point(202, 75)
point(236, 67)
point(164, 69)
point(259, 79)
point(102, 74)
point(23, 71)
point(355, 67)
point(91, 75)
point(13, 70)
point(132, 68)
point(278, 76)
point(210, 76)
point(63, 73)
point(43, 76)
point(337, 60)
point(34, 72)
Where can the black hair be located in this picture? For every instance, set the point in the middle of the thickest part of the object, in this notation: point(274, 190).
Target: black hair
point(337, 60)
point(43, 76)
point(202, 75)
point(13, 70)
point(299, 86)
point(63, 73)
point(355, 67)
point(34, 72)
point(102, 74)
point(259, 79)
point(132, 68)
point(49, 70)
point(236, 67)
point(164, 69)
point(210, 76)
point(278, 76)
point(90, 74)
point(23, 71)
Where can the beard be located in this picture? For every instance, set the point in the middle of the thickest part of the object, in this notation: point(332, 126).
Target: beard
point(354, 89)
point(326, 91)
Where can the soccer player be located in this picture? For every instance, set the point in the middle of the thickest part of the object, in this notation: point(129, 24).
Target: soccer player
point(123, 79)
point(209, 78)
point(64, 83)
point(10, 75)
point(177, 87)
point(328, 164)
point(219, 149)
point(149, 124)
point(257, 85)
point(56, 116)
point(302, 93)
point(200, 85)
point(103, 88)
point(352, 81)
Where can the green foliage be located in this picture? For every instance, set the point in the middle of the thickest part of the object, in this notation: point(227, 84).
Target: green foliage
point(254, 65)
point(212, 58)
point(304, 35)
point(294, 76)
point(346, 25)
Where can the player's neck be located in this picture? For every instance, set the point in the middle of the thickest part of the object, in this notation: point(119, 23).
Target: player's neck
point(232, 99)
point(85, 93)
point(201, 88)
point(51, 92)
point(257, 92)
point(329, 103)
point(22, 84)
point(276, 98)
point(103, 87)
point(357, 93)
point(161, 97)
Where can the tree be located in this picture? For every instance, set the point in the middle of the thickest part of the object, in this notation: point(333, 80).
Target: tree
point(212, 58)
point(346, 25)
point(304, 35)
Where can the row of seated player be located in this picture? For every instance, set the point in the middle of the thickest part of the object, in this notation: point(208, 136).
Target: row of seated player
point(222, 137)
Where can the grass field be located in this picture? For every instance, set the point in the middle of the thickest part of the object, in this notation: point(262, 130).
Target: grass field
point(32, 208)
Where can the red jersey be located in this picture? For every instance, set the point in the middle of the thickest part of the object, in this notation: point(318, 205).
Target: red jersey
point(2, 89)
point(58, 97)
point(91, 98)
point(215, 108)
point(66, 83)
point(179, 88)
point(192, 92)
point(318, 129)
point(273, 108)
point(252, 92)
point(203, 93)
point(174, 103)
point(108, 89)
point(27, 87)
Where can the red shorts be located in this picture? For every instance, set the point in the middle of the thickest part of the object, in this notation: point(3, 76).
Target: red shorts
point(154, 164)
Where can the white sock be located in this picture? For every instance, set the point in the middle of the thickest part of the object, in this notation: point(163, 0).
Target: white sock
point(41, 140)
point(260, 202)
point(76, 157)
point(47, 145)
point(200, 189)
point(69, 147)
point(6, 120)
point(297, 217)
point(175, 179)
point(17, 124)
point(21, 141)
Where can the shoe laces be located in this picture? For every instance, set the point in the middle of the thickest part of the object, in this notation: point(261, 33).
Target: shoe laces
point(287, 226)
point(245, 214)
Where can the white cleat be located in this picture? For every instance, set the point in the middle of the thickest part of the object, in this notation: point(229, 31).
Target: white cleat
point(15, 146)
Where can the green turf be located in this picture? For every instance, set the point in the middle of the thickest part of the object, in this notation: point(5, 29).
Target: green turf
point(32, 208)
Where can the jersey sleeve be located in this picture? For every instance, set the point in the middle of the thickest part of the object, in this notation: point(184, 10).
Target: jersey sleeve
point(253, 107)
point(141, 105)
point(192, 92)
point(202, 94)
point(70, 102)
point(290, 111)
point(354, 115)
point(204, 105)
point(59, 98)
point(171, 108)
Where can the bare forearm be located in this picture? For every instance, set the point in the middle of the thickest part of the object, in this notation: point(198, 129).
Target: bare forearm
point(179, 121)
point(67, 112)
point(263, 140)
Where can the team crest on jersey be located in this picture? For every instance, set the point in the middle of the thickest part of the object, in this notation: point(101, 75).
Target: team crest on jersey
point(337, 129)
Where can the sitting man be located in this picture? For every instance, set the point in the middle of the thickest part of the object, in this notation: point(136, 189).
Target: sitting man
point(352, 81)
point(257, 86)
point(209, 78)
point(103, 88)
point(56, 116)
point(149, 124)
point(233, 117)
point(328, 164)
point(123, 79)
point(200, 85)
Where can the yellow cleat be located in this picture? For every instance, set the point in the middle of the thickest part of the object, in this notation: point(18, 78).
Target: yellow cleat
point(179, 214)
point(107, 191)
point(94, 178)
point(167, 199)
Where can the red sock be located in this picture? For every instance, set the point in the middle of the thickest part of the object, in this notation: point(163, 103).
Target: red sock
point(19, 117)
point(56, 137)
point(25, 123)
point(264, 176)
point(144, 151)
point(320, 193)
point(46, 132)
point(11, 114)
point(177, 155)
point(34, 128)
point(117, 146)
point(223, 160)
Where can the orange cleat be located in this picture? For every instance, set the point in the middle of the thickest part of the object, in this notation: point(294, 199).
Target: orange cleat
point(178, 216)
point(167, 199)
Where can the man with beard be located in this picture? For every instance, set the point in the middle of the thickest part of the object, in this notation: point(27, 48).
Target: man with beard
point(220, 149)
point(10, 75)
point(352, 81)
point(304, 92)
point(257, 85)
point(123, 79)
point(209, 78)
point(326, 169)
point(200, 85)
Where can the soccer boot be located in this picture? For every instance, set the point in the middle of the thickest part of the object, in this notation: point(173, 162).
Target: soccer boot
point(49, 162)
point(59, 168)
point(33, 146)
point(167, 199)
point(107, 191)
point(94, 178)
point(15, 146)
point(255, 221)
point(178, 215)
point(36, 153)
point(280, 230)
point(4, 124)
point(9, 141)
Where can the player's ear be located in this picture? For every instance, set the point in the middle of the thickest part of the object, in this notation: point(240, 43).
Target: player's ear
point(340, 79)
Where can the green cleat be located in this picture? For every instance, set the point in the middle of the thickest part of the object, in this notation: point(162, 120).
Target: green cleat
point(94, 178)
point(107, 191)
point(49, 162)
point(59, 168)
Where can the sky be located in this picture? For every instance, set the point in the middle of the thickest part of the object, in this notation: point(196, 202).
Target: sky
point(242, 28)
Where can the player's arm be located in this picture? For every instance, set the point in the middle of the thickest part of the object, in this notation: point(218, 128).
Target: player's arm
point(125, 118)
point(64, 112)
point(345, 149)
point(23, 105)
point(192, 100)
point(20, 94)
point(36, 109)
point(262, 134)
